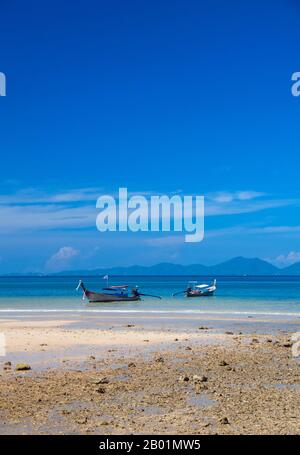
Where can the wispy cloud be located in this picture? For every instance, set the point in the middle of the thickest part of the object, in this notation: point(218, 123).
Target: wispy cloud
point(276, 230)
point(226, 196)
point(251, 230)
point(241, 207)
point(61, 259)
point(37, 196)
point(48, 216)
point(165, 241)
point(32, 209)
point(243, 201)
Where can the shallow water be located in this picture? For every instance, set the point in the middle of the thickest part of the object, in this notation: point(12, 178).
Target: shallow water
point(201, 400)
point(275, 296)
point(286, 386)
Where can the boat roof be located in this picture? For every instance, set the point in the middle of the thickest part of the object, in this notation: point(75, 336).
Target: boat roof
point(198, 285)
point(123, 286)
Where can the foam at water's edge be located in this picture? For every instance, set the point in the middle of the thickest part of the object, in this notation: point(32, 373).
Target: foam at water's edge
point(170, 312)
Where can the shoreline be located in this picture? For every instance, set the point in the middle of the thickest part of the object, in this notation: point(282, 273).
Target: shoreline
point(77, 336)
point(152, 312)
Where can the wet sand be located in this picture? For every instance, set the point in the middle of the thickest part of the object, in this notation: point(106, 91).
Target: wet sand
point(124, 375)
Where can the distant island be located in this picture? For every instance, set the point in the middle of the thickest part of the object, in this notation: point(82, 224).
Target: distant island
point(238, 266)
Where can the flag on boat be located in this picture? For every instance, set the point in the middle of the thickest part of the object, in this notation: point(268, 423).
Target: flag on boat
point(105, 277)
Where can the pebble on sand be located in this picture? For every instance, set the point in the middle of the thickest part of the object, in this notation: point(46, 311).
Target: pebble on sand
point(224, 421)
point(104, 380)
point(159, 360)
point(82, 421)
point(184, 378)
point(101, 390)
point(287, 344)
point(23, 367)
point(197, 378)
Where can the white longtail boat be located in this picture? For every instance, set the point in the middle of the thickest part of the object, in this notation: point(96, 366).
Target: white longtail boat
point(199, 290)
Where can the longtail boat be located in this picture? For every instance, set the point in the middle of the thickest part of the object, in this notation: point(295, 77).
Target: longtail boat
point(199, 290)
point(118, 293)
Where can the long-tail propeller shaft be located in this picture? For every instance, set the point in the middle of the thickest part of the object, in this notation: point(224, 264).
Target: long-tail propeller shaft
point(180, 292)
point(150, 295)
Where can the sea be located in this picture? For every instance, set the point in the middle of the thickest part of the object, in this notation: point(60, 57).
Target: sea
point(268, 296)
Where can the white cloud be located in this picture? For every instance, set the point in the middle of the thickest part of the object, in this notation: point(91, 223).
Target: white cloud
point(226, 196)
point(61, 259)
point(284, 260)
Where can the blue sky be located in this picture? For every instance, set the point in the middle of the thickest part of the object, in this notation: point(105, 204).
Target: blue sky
point(159, 97)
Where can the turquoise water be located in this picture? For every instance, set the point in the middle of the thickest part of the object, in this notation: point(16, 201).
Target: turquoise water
point(235, 295)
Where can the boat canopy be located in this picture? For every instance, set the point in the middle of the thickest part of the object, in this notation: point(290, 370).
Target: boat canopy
point(115, 288)
point(194, 285)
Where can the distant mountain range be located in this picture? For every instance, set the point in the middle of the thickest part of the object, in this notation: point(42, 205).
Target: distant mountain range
point(238, 266)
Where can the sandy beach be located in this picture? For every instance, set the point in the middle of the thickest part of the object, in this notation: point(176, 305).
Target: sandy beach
point(130, 376)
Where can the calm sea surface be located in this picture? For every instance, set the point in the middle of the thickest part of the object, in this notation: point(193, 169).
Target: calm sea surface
point(235, 295)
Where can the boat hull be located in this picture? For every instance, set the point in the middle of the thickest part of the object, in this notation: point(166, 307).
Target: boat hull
point(200, 294)
point(95, 297)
